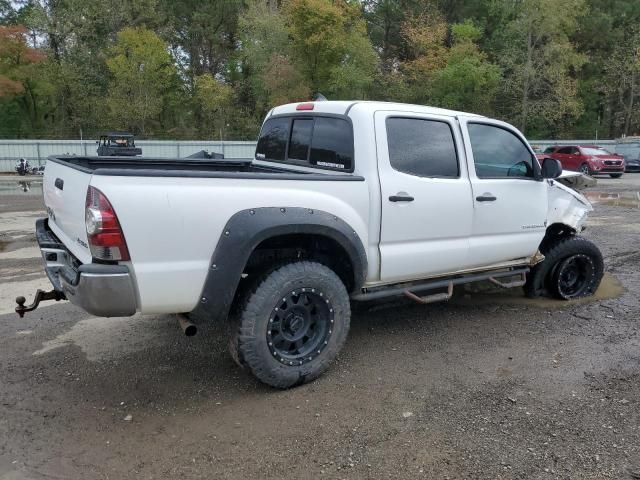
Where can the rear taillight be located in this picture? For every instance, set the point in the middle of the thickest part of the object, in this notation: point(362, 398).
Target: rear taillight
point(106, 240)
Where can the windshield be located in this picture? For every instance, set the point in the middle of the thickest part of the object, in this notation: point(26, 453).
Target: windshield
point(595, 151)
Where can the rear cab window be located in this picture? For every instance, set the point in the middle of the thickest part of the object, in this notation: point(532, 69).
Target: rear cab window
point(316, 141)
point(422, 147)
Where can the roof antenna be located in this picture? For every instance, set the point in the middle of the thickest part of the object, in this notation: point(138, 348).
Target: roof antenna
point(318, 97)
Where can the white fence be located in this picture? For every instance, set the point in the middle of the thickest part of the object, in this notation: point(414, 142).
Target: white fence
point(37, 151)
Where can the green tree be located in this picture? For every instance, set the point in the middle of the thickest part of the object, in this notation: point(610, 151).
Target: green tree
point(539, 61)
point(265, 57)
point(203, 33)
point(425, 38)
point(468, 81)
point(21, 87)
point(622, 74)
point(606, 35)
point(144, 80)
point(214, 101)
point(330, 46)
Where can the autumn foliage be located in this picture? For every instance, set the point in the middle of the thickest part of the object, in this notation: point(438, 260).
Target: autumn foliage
point(16, 60)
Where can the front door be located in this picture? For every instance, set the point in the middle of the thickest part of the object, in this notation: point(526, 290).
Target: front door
point(510, 197)
point(426, 195)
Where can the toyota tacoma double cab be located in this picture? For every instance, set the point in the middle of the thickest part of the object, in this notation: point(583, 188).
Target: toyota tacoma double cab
point(342, 202)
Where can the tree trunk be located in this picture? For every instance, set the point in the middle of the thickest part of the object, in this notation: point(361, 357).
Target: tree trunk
point(632, 93)
point(526, 82)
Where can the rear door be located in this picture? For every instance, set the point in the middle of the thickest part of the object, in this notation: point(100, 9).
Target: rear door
point(510, 198)
point(65, 193)
point(426, 195)
point(566, 157)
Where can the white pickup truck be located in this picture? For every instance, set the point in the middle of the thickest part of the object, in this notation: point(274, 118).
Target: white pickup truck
point(344, 201)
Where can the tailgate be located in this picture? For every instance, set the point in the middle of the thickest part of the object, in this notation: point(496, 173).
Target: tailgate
point(65, 192)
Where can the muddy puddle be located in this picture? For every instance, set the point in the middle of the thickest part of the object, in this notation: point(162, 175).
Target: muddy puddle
point(484, 294)
point(30, 186)
point(624, 199)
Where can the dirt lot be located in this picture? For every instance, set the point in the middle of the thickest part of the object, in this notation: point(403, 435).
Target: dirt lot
point(487, 386)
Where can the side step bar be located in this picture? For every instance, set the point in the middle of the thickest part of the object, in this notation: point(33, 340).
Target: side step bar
point(412, 291)
point(436, 297)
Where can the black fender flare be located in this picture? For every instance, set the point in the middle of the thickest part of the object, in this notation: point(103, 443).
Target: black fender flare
point(246, 229)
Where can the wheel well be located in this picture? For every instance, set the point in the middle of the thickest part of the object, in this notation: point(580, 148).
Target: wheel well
point(281, 249)
point(554, 232)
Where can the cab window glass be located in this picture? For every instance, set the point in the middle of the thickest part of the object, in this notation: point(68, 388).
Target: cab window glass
point(323, 142)
point(420, 147)
point(272, 143)
point(332, 144)
point(300, 139)
point(498, 153)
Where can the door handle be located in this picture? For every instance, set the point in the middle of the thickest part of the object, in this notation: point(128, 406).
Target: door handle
point(487, 197)
point(59, 183)
point(401, 198)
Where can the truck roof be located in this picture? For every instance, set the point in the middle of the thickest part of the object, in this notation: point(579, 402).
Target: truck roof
point(116, 133)
point(342, 107)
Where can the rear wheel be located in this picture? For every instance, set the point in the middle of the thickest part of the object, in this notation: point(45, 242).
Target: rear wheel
point(293, 323)
point(615, 175)
point(572, 268)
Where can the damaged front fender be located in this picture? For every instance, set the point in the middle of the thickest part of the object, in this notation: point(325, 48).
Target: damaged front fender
point(567, 206)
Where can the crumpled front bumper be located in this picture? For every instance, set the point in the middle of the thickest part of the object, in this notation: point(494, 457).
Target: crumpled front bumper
point(101, 290)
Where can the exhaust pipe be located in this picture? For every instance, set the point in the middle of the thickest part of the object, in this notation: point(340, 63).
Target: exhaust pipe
point(189, 329)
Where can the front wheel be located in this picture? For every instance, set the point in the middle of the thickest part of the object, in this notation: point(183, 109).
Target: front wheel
point(292, 324)
point(615, 175)
point(572, 268)
point(584, 169)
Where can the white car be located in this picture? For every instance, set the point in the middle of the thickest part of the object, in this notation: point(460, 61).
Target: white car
point(344, 201)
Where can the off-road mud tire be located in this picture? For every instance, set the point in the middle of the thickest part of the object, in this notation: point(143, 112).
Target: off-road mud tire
point(249, 343)
point(543, 279)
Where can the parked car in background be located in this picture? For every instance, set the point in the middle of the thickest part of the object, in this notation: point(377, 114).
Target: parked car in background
point(588, 159)
point(632, 165)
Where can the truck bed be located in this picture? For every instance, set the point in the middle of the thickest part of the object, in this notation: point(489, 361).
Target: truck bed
point(189, 167)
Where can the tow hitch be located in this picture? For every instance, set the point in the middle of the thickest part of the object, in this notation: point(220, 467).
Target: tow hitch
point(40, 296)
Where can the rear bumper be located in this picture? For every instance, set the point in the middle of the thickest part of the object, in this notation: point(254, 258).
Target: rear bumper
point(101, 290)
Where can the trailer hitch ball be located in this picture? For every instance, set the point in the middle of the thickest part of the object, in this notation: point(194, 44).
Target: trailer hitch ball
point(41, 295)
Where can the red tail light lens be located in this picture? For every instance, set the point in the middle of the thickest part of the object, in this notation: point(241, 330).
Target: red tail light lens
point(304, 106)
point(106, 240)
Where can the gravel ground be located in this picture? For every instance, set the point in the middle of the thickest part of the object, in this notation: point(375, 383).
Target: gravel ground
point(489, 385)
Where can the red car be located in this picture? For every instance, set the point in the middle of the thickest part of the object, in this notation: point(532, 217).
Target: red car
point(588, 159)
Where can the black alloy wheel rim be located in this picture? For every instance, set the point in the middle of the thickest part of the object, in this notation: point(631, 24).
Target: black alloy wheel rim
point(300, 326)
point(575, 275)
point(584, 169)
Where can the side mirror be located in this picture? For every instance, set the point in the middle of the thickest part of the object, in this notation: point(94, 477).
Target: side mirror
point(551, 168)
